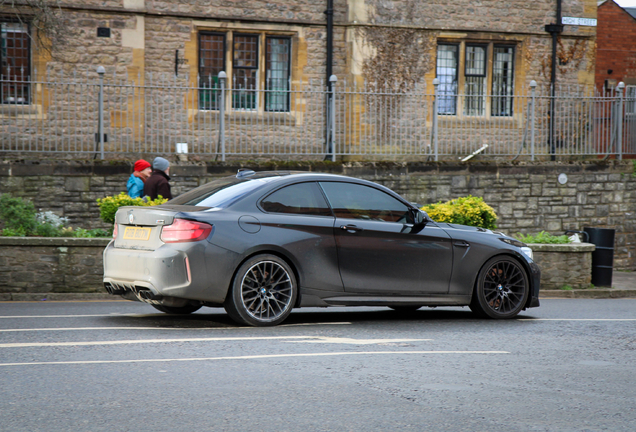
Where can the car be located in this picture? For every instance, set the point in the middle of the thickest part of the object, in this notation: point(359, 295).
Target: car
point(260, 244)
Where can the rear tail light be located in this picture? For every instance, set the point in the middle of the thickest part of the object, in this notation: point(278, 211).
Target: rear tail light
point(115, 230)
point(182, 230)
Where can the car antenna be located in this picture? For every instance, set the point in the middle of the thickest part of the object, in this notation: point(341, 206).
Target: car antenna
point(244, 172)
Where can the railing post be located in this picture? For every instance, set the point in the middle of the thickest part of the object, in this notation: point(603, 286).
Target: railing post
point(100, 110)
point(222, 78)
point(619, 140)
point(332, 115)
point(435, 121)
point(533, 88)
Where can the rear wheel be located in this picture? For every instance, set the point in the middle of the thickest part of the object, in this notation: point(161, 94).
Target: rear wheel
point(501, 290)
point(182, 310)
point(263, 293)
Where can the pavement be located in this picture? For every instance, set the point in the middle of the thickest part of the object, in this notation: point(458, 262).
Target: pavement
point(623, 286)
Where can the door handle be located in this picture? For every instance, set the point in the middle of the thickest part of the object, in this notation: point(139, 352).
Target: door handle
point(461, 243)
point(351, 228)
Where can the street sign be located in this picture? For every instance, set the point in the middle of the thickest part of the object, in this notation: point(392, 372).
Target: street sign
point(591, 22)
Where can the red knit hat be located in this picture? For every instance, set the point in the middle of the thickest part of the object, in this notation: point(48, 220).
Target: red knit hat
point(141, 165)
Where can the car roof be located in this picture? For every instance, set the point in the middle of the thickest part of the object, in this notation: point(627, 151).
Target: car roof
point(285, 176)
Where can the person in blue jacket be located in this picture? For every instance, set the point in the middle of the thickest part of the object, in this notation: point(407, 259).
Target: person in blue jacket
point(135, 185)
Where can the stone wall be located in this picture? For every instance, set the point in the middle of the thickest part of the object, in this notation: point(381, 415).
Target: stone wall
point(564, 265)
point(32, 266)
point(528, 198)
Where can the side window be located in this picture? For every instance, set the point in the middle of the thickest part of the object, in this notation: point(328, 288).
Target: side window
point(353, 201)
point(300, 198)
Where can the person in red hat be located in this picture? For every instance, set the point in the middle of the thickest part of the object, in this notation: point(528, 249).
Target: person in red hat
point(135, 185)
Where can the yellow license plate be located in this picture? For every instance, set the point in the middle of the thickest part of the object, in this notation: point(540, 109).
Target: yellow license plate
point(136, 233)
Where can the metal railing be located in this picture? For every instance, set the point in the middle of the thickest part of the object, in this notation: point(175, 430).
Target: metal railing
point(159, 114)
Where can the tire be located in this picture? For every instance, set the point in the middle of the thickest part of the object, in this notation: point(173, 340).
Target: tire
point(501, 290)
point(182, 310)
point(405, 309)
point(263, 293)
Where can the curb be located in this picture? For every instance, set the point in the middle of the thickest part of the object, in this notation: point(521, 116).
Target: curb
point(608, 293)
point(31, 297)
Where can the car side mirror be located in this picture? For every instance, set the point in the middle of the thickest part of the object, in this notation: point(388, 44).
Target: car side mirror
point(419, 217)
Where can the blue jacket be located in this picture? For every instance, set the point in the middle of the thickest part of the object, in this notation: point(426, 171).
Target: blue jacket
point(135, 187)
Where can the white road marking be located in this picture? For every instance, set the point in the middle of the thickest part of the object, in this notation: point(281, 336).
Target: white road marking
point(335, 340)
point(319, 339)
point(252, 357)
point(577, 319)
point(67, 316)
point(156, 328)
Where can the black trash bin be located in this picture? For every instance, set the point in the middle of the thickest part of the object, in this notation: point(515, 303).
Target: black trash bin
point(603, 256)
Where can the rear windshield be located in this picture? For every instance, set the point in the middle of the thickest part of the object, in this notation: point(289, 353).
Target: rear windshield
point(222, 192)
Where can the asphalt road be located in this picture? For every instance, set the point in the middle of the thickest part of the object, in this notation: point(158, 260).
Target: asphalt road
point(569, 365)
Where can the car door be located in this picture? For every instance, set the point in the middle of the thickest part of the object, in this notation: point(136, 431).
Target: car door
point(298, 219)
point(379, 249)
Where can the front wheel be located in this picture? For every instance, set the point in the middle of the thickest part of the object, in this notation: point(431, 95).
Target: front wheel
point(263, 292)
point(501, 290)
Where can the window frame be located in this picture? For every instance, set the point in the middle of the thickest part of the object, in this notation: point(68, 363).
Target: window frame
point(202, 76)
point(450, 97)
point(630, 103)
point(257, 69)
point(260, 106)
point(512, 85)
point(461, 96)
point(26, 78)
point(268, 91)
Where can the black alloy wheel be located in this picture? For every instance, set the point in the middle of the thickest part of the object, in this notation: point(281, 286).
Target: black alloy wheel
point(501, 290)
point(264, 291)
point(181, 310)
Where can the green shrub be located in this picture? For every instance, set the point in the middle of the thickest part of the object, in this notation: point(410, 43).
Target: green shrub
point(20, 220)
point(17, 215)
point(109, 205)
point(543, 238)
point(92, 233)
point(470, 210)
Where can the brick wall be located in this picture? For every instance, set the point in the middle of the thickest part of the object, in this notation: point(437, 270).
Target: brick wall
point(527, 197)
point(616, 45)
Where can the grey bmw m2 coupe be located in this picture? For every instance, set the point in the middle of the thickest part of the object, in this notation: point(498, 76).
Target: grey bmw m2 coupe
point(261, 244)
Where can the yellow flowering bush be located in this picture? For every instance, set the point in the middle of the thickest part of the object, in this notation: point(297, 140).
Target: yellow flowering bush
point(108, 206)
point(468, 210)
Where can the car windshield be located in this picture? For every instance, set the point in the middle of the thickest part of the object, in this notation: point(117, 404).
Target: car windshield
point(222, 192)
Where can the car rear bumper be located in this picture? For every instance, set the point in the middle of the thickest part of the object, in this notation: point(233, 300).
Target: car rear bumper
point(168, 271)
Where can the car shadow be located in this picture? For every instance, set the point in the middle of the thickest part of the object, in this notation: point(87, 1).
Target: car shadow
point(217, 318)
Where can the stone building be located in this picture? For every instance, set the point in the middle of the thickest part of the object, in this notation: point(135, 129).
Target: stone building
point(483, 53)
point(256, 40)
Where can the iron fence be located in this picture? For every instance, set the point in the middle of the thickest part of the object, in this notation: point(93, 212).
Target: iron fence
point(216, 119)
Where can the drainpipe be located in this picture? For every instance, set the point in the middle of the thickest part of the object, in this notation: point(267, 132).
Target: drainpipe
point(554, 30)
point(328, 135)
point(329, 13)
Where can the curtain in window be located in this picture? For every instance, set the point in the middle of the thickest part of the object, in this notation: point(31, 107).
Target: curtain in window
point(502, 85)
point(475, 86)
point(277, 79)
point(211, 62)
point(447, 75)
point(245, 68)
point(14, 60)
